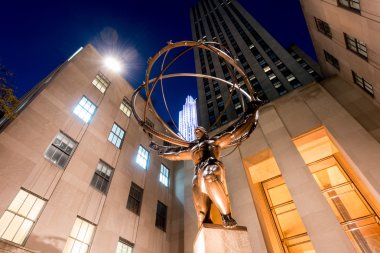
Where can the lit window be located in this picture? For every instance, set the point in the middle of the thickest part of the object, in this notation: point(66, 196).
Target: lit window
point(356, 46)
point(124, 246)
point(116, 135)
point(289, 224)
point(80, 237)
point(323, 27)
point(101, 82)
point(363, 83)
point(85, 109)
point(161, 213)
point(350, 4)
point(266, 69)
point(142, 157)
point(60, 150)
point(164, 175)
point(18, 220)
point(135, 198)
point(126, 108)
point(332, 60)
point(102, 177)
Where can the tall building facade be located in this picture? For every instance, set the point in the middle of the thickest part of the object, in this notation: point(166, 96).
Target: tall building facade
point(269, 67)
point(77, 173)
point(188, 119)
point(345, 34)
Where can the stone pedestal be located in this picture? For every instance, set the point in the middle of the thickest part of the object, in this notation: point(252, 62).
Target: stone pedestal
point(217, 239)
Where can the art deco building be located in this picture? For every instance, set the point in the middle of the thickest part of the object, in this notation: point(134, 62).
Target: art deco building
point(188, 120)
point(345, 34)
point(272, 71)
point(76, 171)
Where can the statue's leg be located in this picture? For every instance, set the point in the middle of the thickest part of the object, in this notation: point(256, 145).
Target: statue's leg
point(218, 193)
point(202, 202)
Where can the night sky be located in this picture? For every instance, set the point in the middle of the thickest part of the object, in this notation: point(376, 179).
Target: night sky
point(38, 36)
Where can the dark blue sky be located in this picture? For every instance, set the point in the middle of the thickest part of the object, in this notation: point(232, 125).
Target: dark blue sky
point(38, 36)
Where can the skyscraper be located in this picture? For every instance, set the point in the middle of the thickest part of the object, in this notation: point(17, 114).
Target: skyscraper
point(188, 120)
point(269, 67)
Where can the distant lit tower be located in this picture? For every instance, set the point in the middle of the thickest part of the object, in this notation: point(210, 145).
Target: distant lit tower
point(188, 119)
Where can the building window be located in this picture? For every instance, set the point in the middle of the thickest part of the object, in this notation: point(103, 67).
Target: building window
point(124, 246)
point(350, 4)
point(164, 175)
point(101, 82)
point(135, 198)
point(60, 150)
point(323, 27)
point(142, 157)
point(363, 83)
point(332, 60)
point(18, 220)
point(80, 237)
point(356, 46)
point(85, 109)
point(116, 135)
point(102, 177)
point(126, 108)
point(161, 216)
point(290, 227)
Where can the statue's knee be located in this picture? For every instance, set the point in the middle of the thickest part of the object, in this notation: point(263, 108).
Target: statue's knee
point(210, 177)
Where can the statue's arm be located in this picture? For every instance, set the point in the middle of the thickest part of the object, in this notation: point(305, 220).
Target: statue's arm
point(241, 129)
point(174, 153)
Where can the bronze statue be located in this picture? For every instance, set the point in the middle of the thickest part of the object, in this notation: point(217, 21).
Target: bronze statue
point(209, 183)
point(209, 173)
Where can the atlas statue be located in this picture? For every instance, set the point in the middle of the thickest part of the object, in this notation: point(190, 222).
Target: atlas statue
point(209, 181)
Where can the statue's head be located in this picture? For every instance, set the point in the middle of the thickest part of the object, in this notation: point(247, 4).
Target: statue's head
point(200, 133)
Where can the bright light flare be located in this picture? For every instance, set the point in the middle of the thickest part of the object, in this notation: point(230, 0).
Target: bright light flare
point(113, 64)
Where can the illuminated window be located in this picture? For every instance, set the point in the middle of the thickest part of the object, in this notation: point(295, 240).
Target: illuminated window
point(102, 177)
point(85, 109)
point(161, 213)
point(292, 231)
point(135, 198)
point(18, 220)
point(142, 157)
point(60, 150)
point(164, 175)
point(357, 218)
point(323, 27)
point(80, 237)
point(363, 83)
point(356, 46)
point(350, 4)
point(124, 246)
point(116, 135)
point(332, 60)
point(126, 108)
point(101, 82)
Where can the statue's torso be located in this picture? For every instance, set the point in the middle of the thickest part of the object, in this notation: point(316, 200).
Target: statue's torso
point(204, 150)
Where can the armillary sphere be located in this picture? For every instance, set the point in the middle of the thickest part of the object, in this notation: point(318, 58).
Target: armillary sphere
point(150, 84)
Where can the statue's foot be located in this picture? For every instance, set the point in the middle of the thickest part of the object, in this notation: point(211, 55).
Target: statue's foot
point(228, 221)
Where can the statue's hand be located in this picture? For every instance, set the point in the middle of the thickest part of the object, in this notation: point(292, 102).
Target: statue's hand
point(156, 147)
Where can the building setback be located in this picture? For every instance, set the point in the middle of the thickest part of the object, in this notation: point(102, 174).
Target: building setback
point(269, 67)
point(345, 34)
point(188, 120)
